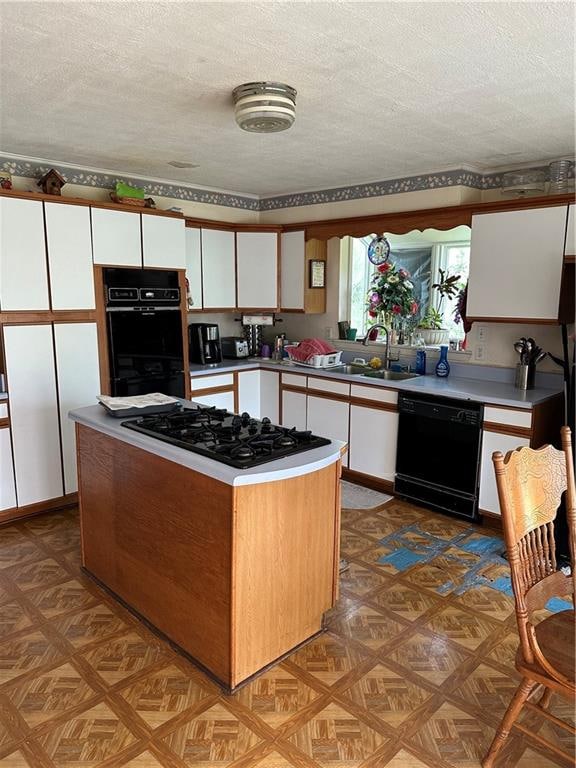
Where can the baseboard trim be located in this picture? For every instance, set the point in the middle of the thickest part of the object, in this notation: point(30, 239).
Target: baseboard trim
point(30, 510)
point(374, 483)
point(490, 520)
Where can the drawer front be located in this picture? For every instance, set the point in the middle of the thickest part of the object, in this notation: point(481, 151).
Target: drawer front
point(3, 411)
point(294, 380)
point(379, 394)
point(329, 385)
point(508, 417)
point(208, 382)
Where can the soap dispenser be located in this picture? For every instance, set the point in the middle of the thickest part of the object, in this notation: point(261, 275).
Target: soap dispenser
point(443, 366)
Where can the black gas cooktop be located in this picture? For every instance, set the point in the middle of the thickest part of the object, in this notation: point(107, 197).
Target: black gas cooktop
point(239, 441)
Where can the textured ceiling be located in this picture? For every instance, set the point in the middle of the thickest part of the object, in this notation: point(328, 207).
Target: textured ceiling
point(385, 89)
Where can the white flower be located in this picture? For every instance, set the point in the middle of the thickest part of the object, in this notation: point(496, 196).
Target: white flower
point(393, 279)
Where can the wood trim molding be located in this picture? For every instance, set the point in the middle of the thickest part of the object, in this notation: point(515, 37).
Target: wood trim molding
point(291, 388)
point(60, 502)
point(405, 221)
point(41, 197)
point(507, 429)
point(214, 391)
point(231, 226)
point(184, 319)
point(374, 404)
point(569, 259)
point(235, 386)
point(4, 423)
point(375, 483)
point(101, 331)
point(39, 316)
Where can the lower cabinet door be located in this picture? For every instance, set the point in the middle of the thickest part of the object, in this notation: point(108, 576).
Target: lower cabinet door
point(373, 436)
point(328, 418)
point(7, 484)
point(249, 393)
point(294, 409)
point(270, 395)
point(494, 441)
point(218, 400)
point(29, 351)
point(78, 385)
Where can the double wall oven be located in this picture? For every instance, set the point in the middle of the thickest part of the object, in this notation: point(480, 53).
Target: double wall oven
point(144, 326)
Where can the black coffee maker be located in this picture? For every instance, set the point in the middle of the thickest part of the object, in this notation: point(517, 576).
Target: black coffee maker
point(204, 341)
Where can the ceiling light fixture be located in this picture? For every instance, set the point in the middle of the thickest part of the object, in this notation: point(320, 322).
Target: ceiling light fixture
point(264, 107)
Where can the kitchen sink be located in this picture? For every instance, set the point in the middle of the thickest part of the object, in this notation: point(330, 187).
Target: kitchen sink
point(351, 368)
point(391, 375)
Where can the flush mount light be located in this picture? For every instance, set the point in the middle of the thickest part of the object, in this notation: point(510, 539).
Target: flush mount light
point(264, 107)
point(182, 164)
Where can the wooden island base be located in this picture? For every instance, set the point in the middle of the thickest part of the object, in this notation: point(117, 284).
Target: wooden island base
point(237, 576)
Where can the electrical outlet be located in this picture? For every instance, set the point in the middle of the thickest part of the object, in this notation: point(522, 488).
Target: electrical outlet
point(479, 352)
point(328, 332)
point(482, 333)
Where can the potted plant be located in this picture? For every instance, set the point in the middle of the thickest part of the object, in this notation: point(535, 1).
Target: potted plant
point(391, 296)
point(430, 327)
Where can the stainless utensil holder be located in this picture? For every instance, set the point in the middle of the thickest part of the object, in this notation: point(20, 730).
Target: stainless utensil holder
point(521, 380)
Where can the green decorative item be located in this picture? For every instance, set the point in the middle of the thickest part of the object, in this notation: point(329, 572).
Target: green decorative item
point(125, 190)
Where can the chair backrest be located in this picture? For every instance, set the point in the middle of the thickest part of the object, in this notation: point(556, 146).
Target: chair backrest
point(530, 487)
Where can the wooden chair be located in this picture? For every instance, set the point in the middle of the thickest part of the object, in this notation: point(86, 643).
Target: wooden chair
point(530, 485)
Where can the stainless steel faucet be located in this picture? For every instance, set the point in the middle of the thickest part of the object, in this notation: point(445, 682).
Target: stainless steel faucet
point(387, 343)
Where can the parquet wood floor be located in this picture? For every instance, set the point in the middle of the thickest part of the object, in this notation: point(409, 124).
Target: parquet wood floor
point(414, 670)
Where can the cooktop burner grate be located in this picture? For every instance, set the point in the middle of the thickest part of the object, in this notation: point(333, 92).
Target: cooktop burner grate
point(239, 441)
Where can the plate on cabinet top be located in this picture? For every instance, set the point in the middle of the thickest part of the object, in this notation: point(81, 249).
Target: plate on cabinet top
point(379, 250)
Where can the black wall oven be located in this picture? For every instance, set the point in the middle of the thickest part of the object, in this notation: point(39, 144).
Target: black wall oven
point(438, 456)
point(144, 324)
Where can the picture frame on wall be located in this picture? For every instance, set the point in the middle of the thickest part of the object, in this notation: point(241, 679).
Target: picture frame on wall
point(317, 274)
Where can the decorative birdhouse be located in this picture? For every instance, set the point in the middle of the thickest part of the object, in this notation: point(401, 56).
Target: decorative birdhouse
point(51, 183)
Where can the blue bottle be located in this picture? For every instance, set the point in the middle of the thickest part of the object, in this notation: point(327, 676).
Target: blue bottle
point(443, 366)
point(420, 362)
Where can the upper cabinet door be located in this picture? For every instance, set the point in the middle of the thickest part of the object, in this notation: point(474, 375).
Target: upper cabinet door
point(257, 268)
point(23, 272)
point(116, 238)
point(69, 256)
point(516, 264)
point(292, 270)
point(218, 269)
point(570, 247)
point(163, 242)
point(194, 268)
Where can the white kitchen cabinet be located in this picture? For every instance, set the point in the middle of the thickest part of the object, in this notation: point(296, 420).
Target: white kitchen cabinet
point(29, 352)
point(7, 483)
point(328, 418)
point(516, 264)
point(78, 385)
point(293, 409)
point(69, 241)
point(194, 268)
point(570, 245)
point(257, 269)
point(23, 270)
point(270, 395)
point(163, 242)
point(292, 267)
point(249, 393)
point(494, 441)
point(217, 399)
point(116, 238)
point(372, 446)
point(218, 269)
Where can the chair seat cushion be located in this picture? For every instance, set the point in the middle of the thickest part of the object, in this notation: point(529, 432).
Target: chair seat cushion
point(556, 638)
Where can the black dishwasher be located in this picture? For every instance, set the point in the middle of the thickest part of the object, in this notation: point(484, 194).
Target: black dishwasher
point(438, 455)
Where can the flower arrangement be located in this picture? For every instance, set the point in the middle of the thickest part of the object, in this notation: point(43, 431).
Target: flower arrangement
point(391, 293)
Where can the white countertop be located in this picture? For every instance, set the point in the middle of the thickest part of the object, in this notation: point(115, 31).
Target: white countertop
point(479, 390)
point(95, 416)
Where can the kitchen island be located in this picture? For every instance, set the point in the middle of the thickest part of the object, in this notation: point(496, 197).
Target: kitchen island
point(235, 566)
